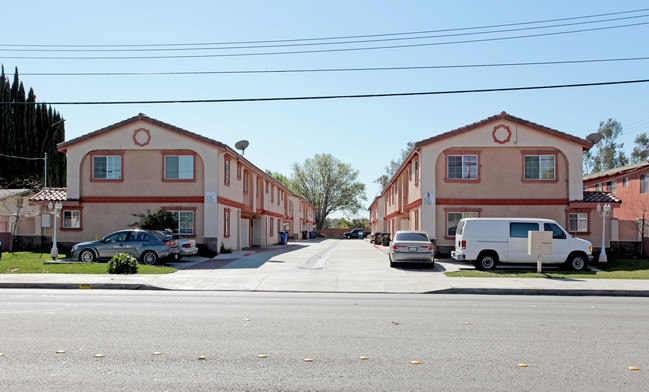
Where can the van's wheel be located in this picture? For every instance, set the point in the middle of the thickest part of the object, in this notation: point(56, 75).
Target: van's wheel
point(577, 262)
point(486, 261)
point(149, 258)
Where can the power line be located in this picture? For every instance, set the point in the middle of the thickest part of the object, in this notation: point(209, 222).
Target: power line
point(323, 50)
point(333, 38)
point(357, 96)
point(26, 158)
point(448, 66)
point(283, 45)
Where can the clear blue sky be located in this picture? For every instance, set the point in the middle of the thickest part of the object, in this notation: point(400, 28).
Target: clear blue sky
point(367, 133)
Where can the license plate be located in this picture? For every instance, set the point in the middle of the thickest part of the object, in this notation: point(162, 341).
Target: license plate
point(412, 249)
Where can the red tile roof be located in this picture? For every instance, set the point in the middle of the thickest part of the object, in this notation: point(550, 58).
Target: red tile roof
point(600, 197)
point(51, 194)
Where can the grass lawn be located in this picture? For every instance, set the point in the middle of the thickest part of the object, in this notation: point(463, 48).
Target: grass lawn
point(614, 269)
point(32, 263)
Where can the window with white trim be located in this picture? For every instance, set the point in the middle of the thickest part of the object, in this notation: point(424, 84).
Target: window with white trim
point(453, 219)
point(540, 167)
point(578, 222)
point(71, 219)
point(644, 184)
point(226, 222)
point(611, 186)
point(226, 174)
point(107, 167)
point(625, 182)
point(462, 167)
point(179, 167)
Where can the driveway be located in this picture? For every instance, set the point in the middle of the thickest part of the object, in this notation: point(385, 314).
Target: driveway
point(315, 265)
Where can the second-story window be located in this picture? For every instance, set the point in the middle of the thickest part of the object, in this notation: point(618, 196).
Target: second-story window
point(462, 167)
point(245, 182)
point(179, 167)
point(540, 167)
point(226, 174)
point(108, 167)
point(611, 186)
point(272, 193)
point(644, 184)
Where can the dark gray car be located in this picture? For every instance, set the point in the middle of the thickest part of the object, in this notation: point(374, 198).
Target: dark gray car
point(148, 247)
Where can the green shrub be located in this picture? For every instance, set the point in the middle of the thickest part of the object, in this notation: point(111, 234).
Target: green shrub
point(122, 263)
point(225, 250)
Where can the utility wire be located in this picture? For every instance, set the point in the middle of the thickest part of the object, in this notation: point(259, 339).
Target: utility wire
point(29, 159)
point(331, 38)
point(176, 101)
point(449, 66)
point(322, 50)
point(283, 45)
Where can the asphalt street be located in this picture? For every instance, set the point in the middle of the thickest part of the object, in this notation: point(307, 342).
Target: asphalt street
point(154, 340)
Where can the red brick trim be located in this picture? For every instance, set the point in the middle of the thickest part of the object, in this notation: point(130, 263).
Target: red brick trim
point(234, 204)
point(143, 199)
point(147, 137)
point(504, 140)
point(413, 205)
point(507, 202)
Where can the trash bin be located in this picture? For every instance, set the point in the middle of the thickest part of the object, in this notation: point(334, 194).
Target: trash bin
point(283, 236)
point(386, 239)
point(378, 240)
point(304, 235)
point(312, 234)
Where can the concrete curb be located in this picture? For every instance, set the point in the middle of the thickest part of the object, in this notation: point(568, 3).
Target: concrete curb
point(459, 291)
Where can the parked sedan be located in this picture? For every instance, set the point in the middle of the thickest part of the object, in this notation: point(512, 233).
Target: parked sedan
point(410, 246)
point(149, 247)
point(187, 246)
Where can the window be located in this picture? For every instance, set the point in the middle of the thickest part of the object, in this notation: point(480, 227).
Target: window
point(611, 186)
point(245, 182)
point(416, 172)
point(185, 220)
point(520, 229)
point(238, 171)
point(226, 222)
point(462, 167)
point(107, 167)
point(644, 184)
point(453, 218)
point(578, 222)
point(71, 219)
point(272, 193)
point(598, 187)
point(557, 232)
point(179, 167)
point(625, 182)
point(226, 175)
point(540, 167)
point(272, 227)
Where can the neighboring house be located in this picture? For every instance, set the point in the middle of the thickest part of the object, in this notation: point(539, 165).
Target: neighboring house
point(15, 211)
point(631, 185)
point(502, 166)
point(140, 164)
point(377, 211)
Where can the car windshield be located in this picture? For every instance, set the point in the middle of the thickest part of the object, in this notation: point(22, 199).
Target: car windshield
point(411, 237)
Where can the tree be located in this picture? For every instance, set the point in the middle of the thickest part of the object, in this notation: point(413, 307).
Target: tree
point(641, 144)
point(160, 220)
point(329, 184)
point(393, 166)
point(606, 154)
point(280, 177)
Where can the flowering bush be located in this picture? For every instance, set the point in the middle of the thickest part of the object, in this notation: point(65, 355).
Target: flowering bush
point(122, 263)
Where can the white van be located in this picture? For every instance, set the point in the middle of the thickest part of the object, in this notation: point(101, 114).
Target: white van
point(486, 242)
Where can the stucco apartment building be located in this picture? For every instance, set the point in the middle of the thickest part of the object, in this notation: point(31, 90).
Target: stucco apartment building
point(630, 184)
point(140, 164)
point(502, 166)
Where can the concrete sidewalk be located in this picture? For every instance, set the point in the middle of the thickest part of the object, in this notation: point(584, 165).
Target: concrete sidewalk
point(315, 267)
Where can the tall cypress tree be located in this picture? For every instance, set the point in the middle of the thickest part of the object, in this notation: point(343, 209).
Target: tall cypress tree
point(29, 130)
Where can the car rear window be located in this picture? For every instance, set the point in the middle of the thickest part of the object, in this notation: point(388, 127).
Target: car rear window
point(411, 237)
point(159, 235)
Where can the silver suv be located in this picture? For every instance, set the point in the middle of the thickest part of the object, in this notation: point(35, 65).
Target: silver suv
point(149, 247)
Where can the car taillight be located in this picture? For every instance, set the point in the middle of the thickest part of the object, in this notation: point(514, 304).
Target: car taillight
point(431, 248)
point(169, 243)
point(394, 247)
point(187, 246)
point(463, 244)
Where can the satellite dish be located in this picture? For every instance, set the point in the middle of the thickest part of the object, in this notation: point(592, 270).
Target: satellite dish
point(594, 137)
point(242, 145)
point(644, 154)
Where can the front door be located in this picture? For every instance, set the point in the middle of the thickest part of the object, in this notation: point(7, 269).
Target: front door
point(256, 232)
point(244, 231)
